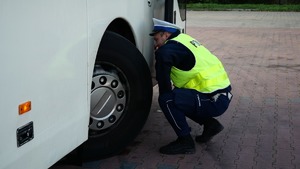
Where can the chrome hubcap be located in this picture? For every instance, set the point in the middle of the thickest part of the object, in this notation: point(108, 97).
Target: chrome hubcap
point(108, 99)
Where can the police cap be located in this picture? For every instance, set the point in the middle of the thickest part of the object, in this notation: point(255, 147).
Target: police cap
point(163, 26)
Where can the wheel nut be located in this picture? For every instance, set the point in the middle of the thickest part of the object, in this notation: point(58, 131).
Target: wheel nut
point(114, 84)
point(120, 107)
point(121, 94)
point(102, 80)
point(100, 124)
point(112, 119)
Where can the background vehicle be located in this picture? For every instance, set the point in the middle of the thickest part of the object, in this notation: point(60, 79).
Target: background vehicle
point(71, 71)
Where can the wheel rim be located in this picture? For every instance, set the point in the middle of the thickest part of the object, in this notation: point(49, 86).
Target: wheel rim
point(108, 98)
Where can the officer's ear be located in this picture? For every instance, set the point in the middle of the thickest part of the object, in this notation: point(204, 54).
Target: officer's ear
point(167, 34)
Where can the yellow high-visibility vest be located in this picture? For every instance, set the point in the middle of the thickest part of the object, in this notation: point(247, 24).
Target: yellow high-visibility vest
point(208, 73)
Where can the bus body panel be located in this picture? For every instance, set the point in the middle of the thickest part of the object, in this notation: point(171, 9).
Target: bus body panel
point(43, 50)
point(48, 50)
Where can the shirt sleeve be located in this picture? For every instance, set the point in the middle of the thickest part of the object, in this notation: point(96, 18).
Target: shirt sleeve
point(168, 55)
point(163, 67)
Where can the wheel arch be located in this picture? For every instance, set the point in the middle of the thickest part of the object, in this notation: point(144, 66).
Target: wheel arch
point(119, 26)
point(123, 28)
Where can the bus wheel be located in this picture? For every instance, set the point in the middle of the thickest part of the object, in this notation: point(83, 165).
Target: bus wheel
point(121, 96)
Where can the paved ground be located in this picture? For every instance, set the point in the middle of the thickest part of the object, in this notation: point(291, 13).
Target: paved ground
point(260, 51)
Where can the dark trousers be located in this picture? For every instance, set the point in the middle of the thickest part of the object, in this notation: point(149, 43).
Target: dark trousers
point(199, 107)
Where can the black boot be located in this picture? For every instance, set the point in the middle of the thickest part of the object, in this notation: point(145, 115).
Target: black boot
point(183, 145)
point(211, 128)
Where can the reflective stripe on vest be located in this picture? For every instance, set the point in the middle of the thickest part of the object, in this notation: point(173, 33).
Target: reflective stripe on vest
point(208, 73)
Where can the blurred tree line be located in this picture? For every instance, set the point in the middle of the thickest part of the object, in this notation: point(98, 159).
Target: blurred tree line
point(246, 1)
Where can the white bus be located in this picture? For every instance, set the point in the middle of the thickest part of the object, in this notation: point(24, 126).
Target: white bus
point(75, 72)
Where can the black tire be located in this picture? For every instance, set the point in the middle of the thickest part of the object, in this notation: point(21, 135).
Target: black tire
point(119, 60)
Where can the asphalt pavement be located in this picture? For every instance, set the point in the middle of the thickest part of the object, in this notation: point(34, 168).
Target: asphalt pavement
point(260, 51)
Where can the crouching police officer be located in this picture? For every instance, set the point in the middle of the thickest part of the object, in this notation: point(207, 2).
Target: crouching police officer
point(201, 86)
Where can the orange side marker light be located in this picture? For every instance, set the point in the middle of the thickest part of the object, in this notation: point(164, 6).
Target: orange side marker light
point(24, 107)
